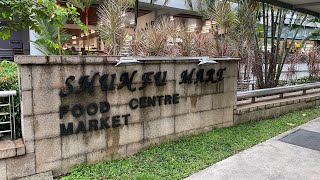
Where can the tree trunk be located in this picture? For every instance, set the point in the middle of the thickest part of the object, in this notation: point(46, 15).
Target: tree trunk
point(87, 24)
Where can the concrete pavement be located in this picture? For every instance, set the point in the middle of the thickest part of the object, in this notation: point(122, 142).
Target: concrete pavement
point(271, 160)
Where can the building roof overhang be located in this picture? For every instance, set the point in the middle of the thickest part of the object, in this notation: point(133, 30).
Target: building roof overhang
point(311, 7)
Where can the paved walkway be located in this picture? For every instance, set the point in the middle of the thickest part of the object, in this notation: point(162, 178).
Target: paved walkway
point(273, 159)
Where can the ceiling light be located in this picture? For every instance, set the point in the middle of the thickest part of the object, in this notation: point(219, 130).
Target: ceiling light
point(74, 37)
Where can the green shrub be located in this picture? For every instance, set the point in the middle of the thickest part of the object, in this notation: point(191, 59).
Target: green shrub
point(302, 80)
point(9, 81)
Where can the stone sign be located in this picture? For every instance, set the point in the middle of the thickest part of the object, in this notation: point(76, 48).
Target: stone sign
point(83, 109)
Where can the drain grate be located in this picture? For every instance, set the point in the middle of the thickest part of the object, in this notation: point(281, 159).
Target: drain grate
point(303, 138)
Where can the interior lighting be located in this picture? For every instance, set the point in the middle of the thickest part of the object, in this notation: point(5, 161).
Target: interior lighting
point(82, 35)
point(74, 42)
point(92, 31)
point(208, 23)
point(74, 37)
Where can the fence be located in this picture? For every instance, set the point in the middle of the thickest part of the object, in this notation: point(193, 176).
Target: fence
point(8, 54)
point(7, 125)
point(276, 91)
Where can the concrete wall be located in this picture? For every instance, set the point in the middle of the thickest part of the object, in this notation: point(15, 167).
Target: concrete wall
point(274, 107)
point(199, 107)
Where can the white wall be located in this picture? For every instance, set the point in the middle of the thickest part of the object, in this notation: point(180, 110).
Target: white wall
point(173, 3)
point(33, 50)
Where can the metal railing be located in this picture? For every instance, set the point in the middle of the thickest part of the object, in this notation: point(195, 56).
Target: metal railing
point(8, 54)
point(276, 91)
point(7, 118)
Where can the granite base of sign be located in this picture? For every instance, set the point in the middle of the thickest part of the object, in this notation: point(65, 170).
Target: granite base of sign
point(84, 109)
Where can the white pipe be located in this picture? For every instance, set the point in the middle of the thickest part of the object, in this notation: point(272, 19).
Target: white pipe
point(7, 93)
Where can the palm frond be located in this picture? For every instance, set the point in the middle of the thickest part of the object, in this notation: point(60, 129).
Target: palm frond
point(47, 39)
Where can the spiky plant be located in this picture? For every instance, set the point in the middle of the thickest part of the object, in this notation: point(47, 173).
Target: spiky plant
point(155, 37)
point(202, 44)
point(185, 45)
point(135, 44)
point(111, 23)
point(314, 62)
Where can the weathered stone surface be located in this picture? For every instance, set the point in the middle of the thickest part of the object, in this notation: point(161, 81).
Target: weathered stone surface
point(205, 103)
point(74, 145)
point(229, 99)
point(46, 101)
point(68, 164)
point(7, 149)
point(227, 116)
point(201, 107)
point(168, 110)
point(179, 68)
point(187, 122)
point(227, 124)
point(27, 128)
point(48, 150)
point(96, 156)
point(158, 128)
point(230, 84)
point(170, 68)
point(41, 176)
point(25, 77)
point(182, 107)
point(72, 60)
point(26, 104)
point(197, 89)
point(130, 134)
point(97, 140)
point(20, 147)
point(72, 70)
point(48, 77)
point(149, 113)
point(3, 170)
point(41, 124)
point(141, 69)
point(95, 59)
point(135, 148)
point(55, 59)
point(25, 60)
point(210, 118)
point(54, 166)
point(217, 101)
point(20, 166)
point(29, 146)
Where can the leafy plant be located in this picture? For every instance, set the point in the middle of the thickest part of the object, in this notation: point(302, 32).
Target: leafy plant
point(47, 41)
point(9, 81)
point(23, 13)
